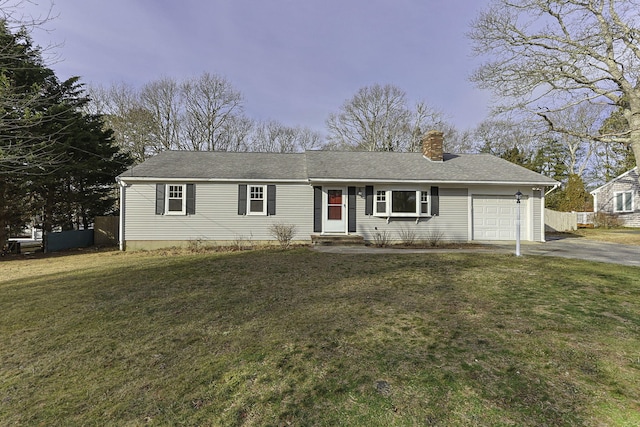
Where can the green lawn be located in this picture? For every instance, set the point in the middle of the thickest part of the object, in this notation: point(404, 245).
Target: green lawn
point(305, 338)
point(627, 236)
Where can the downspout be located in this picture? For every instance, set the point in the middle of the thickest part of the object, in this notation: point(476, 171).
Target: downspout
point(552, 189)
point(121, 234)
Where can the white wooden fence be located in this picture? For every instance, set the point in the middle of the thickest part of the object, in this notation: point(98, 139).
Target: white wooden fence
point(560, 221)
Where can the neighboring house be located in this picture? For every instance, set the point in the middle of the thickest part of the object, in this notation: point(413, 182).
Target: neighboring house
point(220, 197)
point(620, 197)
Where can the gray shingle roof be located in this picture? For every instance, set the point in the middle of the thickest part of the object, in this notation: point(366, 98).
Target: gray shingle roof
point(334, 165)
point(221, 165)
point(414, 166)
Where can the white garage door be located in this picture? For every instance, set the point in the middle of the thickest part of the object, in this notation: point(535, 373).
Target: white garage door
point(494, 218)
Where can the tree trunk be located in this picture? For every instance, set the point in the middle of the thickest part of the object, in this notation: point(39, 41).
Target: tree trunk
point(633, 118)
point(47, 217)
point(4, 223)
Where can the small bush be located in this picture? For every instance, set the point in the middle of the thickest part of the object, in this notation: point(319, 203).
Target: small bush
point(241, 243)
point(284, 233)
point(606, 220)
point(195, 246)
point(434, 237)
point(381, 238)
point(407, 236)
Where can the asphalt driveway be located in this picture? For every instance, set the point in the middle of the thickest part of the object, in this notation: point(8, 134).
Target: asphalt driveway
point(589, 250)
point(585, 249)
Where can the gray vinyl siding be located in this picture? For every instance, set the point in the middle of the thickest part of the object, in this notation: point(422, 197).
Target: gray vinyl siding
point(216, 216)
point(452, 223)
point(538, 221)
point(605, 197)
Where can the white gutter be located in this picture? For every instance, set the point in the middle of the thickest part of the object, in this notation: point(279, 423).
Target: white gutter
point(422, 181)
point(130, 179)
point(363, 181)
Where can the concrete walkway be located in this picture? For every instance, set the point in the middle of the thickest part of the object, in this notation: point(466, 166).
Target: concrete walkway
point(577, 248)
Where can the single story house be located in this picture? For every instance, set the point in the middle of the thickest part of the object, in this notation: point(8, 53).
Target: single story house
point(222, 197)
point(620, 197)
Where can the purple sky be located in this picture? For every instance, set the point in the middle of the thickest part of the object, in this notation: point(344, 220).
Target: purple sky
point(295, 61)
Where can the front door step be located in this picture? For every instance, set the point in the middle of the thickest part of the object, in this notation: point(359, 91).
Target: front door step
point(333, 240)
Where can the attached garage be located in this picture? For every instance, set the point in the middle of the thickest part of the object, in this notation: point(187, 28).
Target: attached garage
point(494, 217)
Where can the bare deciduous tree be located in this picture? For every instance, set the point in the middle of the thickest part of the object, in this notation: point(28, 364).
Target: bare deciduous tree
point(203, 113)
point(235, 134)
point(209, 102)
point(272, 136)
point(132, 124)
point(547, 56)
point(162, 99)
point(378, 118)
point(496, 136)
point(581, 119)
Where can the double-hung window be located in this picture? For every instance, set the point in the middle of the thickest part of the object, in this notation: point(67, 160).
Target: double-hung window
point(381, 202)
point(623, 201)
point(257, 203)
point(176, 200)
point(424, 203)
point(256, 199)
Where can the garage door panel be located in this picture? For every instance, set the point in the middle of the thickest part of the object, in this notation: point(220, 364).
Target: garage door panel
point(490, 210)
point(505, 222)
point(494, 217)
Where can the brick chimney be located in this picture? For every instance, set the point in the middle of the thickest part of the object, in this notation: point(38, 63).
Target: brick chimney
point(432, 145)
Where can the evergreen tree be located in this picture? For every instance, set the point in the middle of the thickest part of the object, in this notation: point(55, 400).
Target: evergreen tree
point(23, 151)
point(82, 187)
point(573, 197)
point(549, 159)
point(55, 160)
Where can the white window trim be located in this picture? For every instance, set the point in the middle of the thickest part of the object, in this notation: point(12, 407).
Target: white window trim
point(388, 213)
point(428, 202)
point(183, 211)
point(375, 203)
point(622, 194)
point(264, 200)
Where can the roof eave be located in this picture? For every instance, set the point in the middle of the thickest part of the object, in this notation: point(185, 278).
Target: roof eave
point(597, 190)
point(431, 181)
point(192, 179)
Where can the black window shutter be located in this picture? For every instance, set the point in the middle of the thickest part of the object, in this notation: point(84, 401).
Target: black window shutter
point(191, 199)
point(435, 201)
point(317, 209)
point(242, 199)
point(271, 199)
point(351, 191)
point(368, 208)
point(159, 199)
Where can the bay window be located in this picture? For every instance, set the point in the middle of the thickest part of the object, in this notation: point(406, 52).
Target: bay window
point(399, 203)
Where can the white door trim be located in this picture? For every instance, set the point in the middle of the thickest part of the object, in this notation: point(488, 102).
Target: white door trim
point(334, 225)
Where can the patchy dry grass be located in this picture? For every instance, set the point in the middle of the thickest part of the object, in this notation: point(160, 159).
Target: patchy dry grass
point(627, 236)
point(305, 338)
